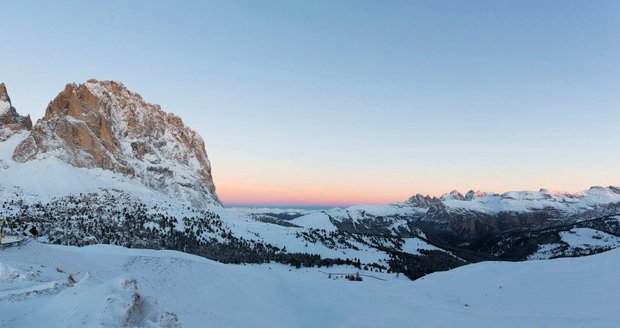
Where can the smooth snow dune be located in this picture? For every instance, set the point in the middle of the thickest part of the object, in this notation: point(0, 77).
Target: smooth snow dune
point(179, 290)
point(316, 220)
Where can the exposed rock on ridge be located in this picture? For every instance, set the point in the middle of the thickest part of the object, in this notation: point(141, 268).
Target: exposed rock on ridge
point(10, 121)
point(101, 124)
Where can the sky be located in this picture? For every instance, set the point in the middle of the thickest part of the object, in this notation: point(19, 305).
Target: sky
point(332, 103)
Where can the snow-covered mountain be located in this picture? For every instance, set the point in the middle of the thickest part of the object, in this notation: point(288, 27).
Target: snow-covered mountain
point(458, 218)
point(105, 167)
point(110, 286)
point(464, 218)
point(102, 125)
point(522, 201)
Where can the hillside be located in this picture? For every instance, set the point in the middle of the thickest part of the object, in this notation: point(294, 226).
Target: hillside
point(113, 286)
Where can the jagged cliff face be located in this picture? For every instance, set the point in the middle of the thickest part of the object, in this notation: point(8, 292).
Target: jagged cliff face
point(101, 124)
point(10, 121)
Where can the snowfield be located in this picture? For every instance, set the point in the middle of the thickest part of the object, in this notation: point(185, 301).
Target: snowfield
point(111, 286)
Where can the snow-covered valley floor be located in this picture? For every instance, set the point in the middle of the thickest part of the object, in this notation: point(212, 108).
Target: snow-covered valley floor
point(60, 286)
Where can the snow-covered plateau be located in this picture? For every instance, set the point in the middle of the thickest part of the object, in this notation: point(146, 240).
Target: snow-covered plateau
point(111, 286)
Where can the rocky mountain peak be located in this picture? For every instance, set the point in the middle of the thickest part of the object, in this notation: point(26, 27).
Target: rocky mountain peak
point(4, 95)
point(101, 124)
point(10, 121)
point(454, 194)
point(471, 194)
point(422, 201)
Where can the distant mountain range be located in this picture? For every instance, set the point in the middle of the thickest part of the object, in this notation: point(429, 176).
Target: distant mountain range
point(105, 166)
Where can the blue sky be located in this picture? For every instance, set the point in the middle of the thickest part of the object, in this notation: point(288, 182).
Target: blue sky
point(340, 102)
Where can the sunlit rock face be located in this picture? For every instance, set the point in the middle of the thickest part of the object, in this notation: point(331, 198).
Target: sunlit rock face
point(101, 124)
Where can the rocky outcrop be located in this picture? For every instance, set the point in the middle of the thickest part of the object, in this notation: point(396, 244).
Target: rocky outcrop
point(10, 121)
point(422, 201)
point(101, 124)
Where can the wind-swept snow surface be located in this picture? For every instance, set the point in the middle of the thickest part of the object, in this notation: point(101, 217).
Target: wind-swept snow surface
point(110, 286)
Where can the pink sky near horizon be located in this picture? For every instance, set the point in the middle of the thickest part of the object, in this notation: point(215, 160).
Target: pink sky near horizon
point(262, 191)
point(256, 178)
point(256, 196)
point(323, 103)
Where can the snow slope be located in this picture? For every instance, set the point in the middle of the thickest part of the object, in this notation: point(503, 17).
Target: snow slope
point(44, 179)
point(112, 286)
point(288, 237)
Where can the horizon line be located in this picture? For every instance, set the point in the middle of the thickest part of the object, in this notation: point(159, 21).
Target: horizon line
point(349, 204)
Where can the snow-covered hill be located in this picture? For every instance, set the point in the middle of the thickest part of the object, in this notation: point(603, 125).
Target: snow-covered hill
point(577, 242)
point(60, 286)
